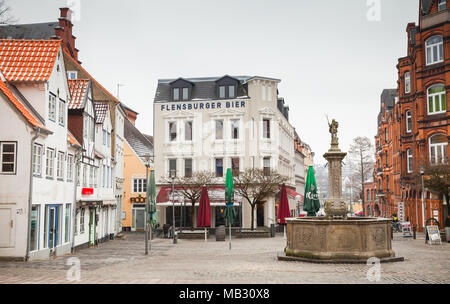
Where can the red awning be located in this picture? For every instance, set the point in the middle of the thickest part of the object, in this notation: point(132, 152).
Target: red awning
point(294, 194)
point(162, 196)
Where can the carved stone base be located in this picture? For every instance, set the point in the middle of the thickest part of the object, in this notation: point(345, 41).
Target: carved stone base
point(354, 239)
point(336, 209)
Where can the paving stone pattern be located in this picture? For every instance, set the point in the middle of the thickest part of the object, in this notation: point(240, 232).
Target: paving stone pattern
point(252, 261)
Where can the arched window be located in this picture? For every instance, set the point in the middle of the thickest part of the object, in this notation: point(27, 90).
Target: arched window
point(437, 102)
point(438, 149)
point(409, 158)
point(434, 49)
point(407, 83)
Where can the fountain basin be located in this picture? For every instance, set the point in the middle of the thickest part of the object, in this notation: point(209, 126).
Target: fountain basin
point(350, 240)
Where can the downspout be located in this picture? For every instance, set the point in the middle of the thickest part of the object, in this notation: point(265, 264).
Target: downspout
point(74, 207)
point(30, 194)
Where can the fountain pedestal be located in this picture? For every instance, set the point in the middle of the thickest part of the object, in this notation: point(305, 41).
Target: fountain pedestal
point(336, 238)
point(335, 207)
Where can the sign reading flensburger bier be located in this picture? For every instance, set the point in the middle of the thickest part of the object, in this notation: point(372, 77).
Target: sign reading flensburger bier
point(203, 105)
point(434, 235)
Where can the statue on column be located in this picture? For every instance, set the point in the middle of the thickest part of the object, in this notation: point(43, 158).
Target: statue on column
point(333, 129)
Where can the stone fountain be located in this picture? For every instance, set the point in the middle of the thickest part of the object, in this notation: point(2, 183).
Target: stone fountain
point(337, 238)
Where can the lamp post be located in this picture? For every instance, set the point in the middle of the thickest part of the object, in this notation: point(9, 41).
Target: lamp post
point(173, 174)
point(146, 222)
point(422, 173)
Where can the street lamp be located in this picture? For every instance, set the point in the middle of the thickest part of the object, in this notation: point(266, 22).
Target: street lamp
point(422, 173)
point(147, 159)
point(173, 175)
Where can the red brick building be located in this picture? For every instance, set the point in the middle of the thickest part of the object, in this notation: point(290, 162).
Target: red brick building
point(413, 131)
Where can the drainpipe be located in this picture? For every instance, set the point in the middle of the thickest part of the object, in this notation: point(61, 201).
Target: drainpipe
point(74, 207)
point(30, 194)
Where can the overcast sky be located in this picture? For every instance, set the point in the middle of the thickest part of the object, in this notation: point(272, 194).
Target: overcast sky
point(330, 57)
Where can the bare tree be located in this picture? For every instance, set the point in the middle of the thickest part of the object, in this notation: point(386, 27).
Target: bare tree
point(5, 13)
point(436, 180)
point(191, 187)
point(362, 152)
point(256, 186)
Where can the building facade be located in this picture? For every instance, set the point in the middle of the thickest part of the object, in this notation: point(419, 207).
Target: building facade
point(414, 131)
point(138, 157)
point(39, 155)
point(212, 124)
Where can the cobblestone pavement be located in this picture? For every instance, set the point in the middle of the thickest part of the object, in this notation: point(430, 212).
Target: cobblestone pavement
point(249, 261)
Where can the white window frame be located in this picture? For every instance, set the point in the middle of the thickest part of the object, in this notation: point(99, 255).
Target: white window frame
point(238, 129)
point(138, 185)
point(60, 165)
point(408, 121)
point(442, 147)
point(50, 163)
point(170, 140)
point(270, 129)
point(70, 163)
point(82, 218)
point(433, 49)
point(192, 166)
point(72, 74)
point(177, 96)
point(434, 96)
point(37, 160)
point(407, 82)
point(192, 130)
point(61, 112)
point(409, 161)
point(216, 129)
point(52, 107)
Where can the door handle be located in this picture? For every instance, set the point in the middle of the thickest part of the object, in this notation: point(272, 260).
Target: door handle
point(12, 224)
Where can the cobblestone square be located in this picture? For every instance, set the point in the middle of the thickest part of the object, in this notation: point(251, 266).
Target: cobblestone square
point(251, 261)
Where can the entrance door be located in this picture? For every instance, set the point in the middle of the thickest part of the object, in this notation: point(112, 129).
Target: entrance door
point(140, 219)
point(260, 215)
point(52, 227)
point(6, 228)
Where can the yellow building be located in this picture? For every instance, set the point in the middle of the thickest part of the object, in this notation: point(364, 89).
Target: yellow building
point(137, 149)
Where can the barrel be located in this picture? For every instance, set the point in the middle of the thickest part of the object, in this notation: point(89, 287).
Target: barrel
point(220, 234)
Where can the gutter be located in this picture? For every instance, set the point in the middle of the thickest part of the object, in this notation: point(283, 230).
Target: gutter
point(75, 188)
point(30, 194)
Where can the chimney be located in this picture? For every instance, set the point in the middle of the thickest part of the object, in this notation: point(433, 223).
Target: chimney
point(64, 32)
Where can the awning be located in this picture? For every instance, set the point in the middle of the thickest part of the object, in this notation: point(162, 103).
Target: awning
point(294, 194)
point(216, 195)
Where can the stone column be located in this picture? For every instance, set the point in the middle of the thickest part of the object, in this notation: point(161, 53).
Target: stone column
point(335, 207)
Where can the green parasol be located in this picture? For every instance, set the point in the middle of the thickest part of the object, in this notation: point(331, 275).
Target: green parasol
point(311, 204)
point(229, 214)
point(151, 199)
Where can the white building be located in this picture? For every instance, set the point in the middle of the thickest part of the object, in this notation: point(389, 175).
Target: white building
point(96, 205)
point(37, 151)
point(218, 123)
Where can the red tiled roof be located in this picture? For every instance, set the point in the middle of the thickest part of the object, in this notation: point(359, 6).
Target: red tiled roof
point(92, 78)
point(101, 108)
point(28, 60)
point(78, 89)
point(71, 139)
point(20, 107)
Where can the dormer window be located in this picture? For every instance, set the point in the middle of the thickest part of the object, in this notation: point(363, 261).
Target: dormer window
point(72, 75)
point(227, 87)
point(181, 90)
